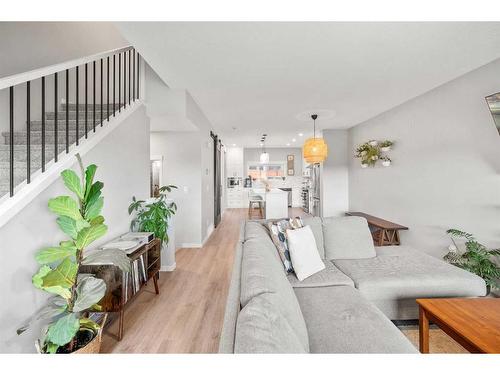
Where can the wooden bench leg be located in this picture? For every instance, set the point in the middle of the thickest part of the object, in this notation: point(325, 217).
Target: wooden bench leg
point(423, 331)
point(155, 281)
point(120, 325)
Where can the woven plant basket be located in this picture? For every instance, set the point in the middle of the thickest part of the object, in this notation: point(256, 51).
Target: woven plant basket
point(94, 346)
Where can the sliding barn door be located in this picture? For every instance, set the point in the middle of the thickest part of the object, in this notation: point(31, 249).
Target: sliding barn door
point(217, 180)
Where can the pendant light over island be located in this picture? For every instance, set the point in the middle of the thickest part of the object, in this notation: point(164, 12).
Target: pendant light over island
point(315, 150)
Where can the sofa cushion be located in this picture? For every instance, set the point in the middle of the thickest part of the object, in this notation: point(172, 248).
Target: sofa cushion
point(317, 228)
point(340, 320)
point(261, 328)
point(347, 238)
point(400, 273)
point(304, 253)
point(262, 272)
point(279, 235)
point(330, 276)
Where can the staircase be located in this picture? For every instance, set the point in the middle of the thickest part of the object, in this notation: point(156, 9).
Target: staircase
point(106, 78)
point(20, 141)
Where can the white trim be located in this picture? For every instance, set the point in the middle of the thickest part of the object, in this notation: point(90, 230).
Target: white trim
point(48, 70)
point(25, 193)
point(190, 245)
point(168, 268)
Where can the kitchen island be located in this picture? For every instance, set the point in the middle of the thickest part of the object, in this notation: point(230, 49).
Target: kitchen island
point(276, 202)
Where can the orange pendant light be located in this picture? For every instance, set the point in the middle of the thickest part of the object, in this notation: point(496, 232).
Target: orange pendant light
point(315, 150)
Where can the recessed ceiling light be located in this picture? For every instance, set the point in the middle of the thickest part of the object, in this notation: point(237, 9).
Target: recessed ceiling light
point(234, 144)
point(294, 140)
point(301, 134)
point(288, 144)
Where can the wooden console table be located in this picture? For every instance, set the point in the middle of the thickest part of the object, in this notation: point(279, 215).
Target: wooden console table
point(472, 322)
point(119, 285)
point(384, 233)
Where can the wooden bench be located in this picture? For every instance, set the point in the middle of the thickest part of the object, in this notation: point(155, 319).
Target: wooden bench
point(384, 233)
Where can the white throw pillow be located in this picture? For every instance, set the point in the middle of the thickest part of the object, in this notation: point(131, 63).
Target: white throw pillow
point(304, 252)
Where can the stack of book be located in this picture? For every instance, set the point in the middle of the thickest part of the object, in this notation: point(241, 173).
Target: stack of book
point(136, 277)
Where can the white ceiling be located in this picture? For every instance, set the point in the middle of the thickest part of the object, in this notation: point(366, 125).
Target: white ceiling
point(259, 77)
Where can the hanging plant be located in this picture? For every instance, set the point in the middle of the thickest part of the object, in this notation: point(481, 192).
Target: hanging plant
point(372, 151)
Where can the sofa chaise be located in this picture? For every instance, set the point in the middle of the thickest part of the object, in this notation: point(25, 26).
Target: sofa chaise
point(345, 308)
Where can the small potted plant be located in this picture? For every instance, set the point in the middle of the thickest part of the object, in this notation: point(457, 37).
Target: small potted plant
point(477, 258)
point(386, 161)
point(68, 328)
point(153, 215)
point(386, 145)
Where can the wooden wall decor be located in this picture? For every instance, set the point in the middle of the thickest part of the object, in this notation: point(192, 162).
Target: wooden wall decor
point(290, 161)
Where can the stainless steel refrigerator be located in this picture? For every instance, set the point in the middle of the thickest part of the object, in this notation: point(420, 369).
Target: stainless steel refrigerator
point(315, 190)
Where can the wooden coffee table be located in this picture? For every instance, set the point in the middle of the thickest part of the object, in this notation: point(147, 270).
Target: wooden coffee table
point(472, 322)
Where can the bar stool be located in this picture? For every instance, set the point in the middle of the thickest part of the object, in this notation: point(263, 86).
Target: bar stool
point(254, 199)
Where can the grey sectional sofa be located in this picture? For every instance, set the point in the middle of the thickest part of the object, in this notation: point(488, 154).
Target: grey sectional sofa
point(345, 308)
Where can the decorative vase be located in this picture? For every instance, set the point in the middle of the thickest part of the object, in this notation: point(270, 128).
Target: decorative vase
point(386, 163)
point(364, 165)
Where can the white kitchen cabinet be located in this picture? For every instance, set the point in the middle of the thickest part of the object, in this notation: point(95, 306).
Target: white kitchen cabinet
point(234, 162)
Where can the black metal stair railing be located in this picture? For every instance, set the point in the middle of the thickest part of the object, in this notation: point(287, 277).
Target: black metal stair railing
point(106, 100)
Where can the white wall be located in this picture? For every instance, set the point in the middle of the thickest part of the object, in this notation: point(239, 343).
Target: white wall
point(446, 164)
point(181, 153)
point(32, 45)
point(123, 166)
point(335, 174)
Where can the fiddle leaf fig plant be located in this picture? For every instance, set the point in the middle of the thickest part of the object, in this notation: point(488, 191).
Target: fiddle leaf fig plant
point(73, 293)
point(153, 216)
point(477, 258)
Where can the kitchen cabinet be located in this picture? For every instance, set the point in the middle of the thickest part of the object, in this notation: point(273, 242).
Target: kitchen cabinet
point(234, 162)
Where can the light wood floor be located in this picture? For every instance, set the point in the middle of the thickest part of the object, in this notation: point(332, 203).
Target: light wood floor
point(187, 315)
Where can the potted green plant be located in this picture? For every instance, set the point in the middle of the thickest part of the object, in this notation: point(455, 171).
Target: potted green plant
point(153, 216)
point(67, 327)
point(386, 145)
point(477, 258)
point(386, 161)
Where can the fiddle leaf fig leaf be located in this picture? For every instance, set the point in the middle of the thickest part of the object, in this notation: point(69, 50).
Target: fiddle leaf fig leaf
point(63, 275)
point(88, 235)
point(54, 254)
point(72, 182)
point(89, 292)
point(65, 206)
point(70, 226)
point(97, 220)
point(55, 307)
point(63, 330)
point(109, 256)
point(94, 193)
point(37, 278)
point(89, 178)
point(94, 209)
point(37, 281)
point(89, 324)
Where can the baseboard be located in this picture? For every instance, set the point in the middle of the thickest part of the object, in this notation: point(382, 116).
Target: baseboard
point(190, 245)
point(168, 268)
